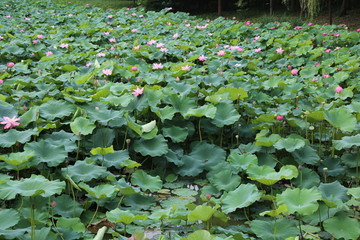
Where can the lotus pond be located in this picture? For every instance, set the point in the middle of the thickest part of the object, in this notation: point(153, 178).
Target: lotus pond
point(126, 124)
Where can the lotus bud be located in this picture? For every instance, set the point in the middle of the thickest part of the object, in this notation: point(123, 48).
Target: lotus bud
point(128, 141)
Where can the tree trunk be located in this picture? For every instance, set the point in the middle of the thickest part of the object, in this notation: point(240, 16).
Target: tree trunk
point(219, 7)
point(344, 7)
point(271, 7)
point(330, 12)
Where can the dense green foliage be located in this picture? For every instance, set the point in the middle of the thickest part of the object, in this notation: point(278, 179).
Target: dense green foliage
point(179, 127)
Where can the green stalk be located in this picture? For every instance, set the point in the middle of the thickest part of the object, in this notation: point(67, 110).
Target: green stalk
point(78, 147)
point(96, 210)
point(32, 219)
point(199, 127)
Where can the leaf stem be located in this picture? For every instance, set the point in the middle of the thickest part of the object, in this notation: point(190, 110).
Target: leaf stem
point(199, 129)
point(96, 210)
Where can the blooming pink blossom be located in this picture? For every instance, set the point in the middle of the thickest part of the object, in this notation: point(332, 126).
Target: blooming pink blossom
point(186, 68)
point(297, 27)
point(258, 50)
point(310, 24)
point(202, 58)
point(221, 53)
point(164, 50)
point(64, 45)
point(48, 53)
point(256, 38)
point(315, 80)
point(294, 71)
point(136, 47)
point(151, 42)
point(40, 36)
point(279, 117)
point(8, 16)
point(157, 66)
point(326, 75)
point(358, 30)
point(137, 91)
point(10, 64)
point(176, 35)
point(247, 23)
point(317, 64)
point(134, 68)
point(280, 50)
point(110, 16)
point(159, 45)
point(338, 89)
point(1, 37)
point(34, 41)
point(10, 122)
point(88, 64)
point(106, 33)
point(112, 40)
point(107, 71)
point(100, 54)
point(328, 50)
point(134, 30)
point(1, 81)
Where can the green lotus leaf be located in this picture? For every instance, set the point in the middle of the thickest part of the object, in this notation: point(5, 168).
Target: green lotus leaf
point(306, 155)
point(28, 187)
point(17, 158)
point(242, 161)
point(4, 178)
point(154, 147)
point(276, 212)
point(278, 229)
point(291, 143)
point(165, 113)
point(177, 134)
point(307, 178)
point(160, 214)
point(56, 109)
point(181, 103)
point(30, 116)
point(185, 192)
point(355, 192)
point(202, 213)
point(126, 217)
point(83, 171)
point(334, 193)
point(268, 141)
point(226, 114)
point(225, 180)
point(115, 159)
point(130, 164)
point(342, 226)
point(146, 181)
point(102, 151)
point(82, 126)
point(66, 139)
point(341, 118)
point(52, 155)
point(315, 116)
point(208, 111)
point(268, 176)
point(74, 223)
point(8, 218)
point(99, 191)
point(138, 201)
point(233, 93)
point(103, 137)
point(243, 196)
point(66, 207)
point(148, 127)
point(200, 234)
point(347, 142)
point(13, 136)
point(191, 166)
point(302, 201)
point(351, 160)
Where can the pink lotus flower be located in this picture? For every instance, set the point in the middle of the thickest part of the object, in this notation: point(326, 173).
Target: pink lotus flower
point(110, 16)
point(186, 68)
point(258, 50)
point(88, 64)
point(40, 36)
point(294, 71)
point(1, 37)
point(176, 35)
point(106, 33)
point(328, 50)
point(326, 75)
point(48, 53)
point(279, 50)
point(64, 45)
point(151, 42)
point(338, 89)
point(34, 41)
point(134, 30)
point(112, 40)
point(1, 81)
point(317, 64)
point(157, 66)
point(202, 58)
point(137, 91)
point(136, 47)
point(164, 50)
point(279, 117)
point(10, 64)
point(101, 54)
point(10, 122)
point(134, 68)
point(107, 72)
point(358, 30)
point(159, 45)
point(221, 53)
